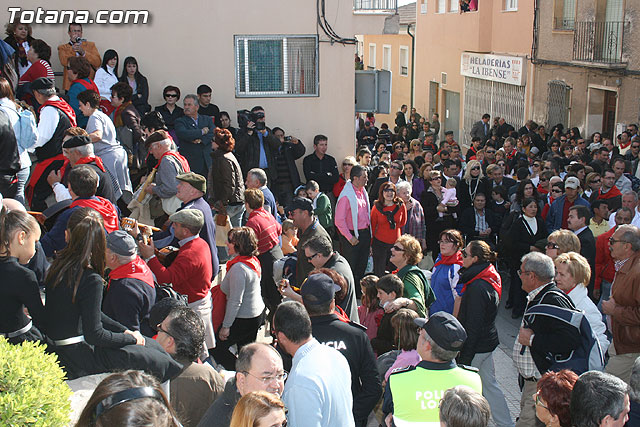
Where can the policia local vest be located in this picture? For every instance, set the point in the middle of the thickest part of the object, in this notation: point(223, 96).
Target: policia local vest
point(417, 391)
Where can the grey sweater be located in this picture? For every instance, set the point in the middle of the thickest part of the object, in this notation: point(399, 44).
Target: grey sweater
point(241, 285)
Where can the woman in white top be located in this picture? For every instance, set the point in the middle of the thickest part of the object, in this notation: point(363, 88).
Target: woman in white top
point(241, 285)
point(106, 75)
point(572, 277)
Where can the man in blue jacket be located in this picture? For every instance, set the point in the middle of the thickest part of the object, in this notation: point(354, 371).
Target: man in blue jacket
point(195, 133)
point(559, 211)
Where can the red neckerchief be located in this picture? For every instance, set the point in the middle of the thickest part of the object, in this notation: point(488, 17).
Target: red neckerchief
point(449, 259)
point(38, 172)
point(61, 105)
point(136, 269)
point(625, 146)
point(94, 159)
point(491, 276)
point(542, 190)
point(105, 209)
point(183, 162)
point(613, 192)
point(88, 84)
point(510, 155)
point(342, 315)
point(250, 261)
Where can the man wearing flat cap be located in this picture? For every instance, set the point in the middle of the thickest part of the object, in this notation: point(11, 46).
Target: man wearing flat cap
point(130, 292)
point(79, 150)
point(412, 394)
point(350, 339)
point(190, 272)
point(191, 190)
point(56, 116)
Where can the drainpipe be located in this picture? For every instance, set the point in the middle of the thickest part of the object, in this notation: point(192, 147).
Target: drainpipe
point(413, 57)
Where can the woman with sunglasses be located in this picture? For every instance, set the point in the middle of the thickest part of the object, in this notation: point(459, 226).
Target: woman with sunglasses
point(553, 397)
point(259, 409)
point(431, 205)
point(557, 190)
point(388, 216)
point(560, 242)
point(593, 183)
point(521, 238)
point(478, 310)
point(170, 110)
point(472, 183)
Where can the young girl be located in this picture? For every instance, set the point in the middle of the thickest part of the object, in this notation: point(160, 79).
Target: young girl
point(19, 233)
point(499, 205)
point(449, 198)
point(289, 237)
point(406, 336)
point(370, 311)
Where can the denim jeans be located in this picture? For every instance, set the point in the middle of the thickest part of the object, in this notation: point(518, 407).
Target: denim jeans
point(491, 389)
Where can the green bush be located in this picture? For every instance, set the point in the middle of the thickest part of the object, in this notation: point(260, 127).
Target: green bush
point(32, 387)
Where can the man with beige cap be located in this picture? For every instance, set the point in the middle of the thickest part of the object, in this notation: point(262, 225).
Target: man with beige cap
point(190, 272)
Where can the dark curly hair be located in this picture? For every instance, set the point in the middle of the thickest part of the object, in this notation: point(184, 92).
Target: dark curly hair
point(122, 90)
point(224, 140)
point(80, 66)
point(42, 49)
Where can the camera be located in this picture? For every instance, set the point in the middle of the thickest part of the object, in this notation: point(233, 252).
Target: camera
point(246, 116)
point(287, 139)
point(80, 40)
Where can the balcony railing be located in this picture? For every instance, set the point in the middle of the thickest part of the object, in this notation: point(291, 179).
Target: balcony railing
point(375, 5)
point(598, 42)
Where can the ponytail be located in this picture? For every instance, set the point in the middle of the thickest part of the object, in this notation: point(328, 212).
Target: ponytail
point(12, 222)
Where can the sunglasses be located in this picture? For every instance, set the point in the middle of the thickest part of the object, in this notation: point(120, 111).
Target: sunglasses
point(536, 165)
point(552, 245)
point(491, 152)
point(543, 180)
point(388, 190)
point(310, 258)
point(465, 254)
point(397, 248)
point(171, 95)
point(596, 181)
point(475, 168)
point(556, 191)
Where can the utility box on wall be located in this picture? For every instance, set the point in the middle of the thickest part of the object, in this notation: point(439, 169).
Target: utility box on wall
point(373, 91)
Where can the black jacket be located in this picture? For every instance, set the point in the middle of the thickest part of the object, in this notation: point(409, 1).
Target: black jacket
point(323, 171)
point(588, 250)
point(519, 239)
point(291, 153)
point(248, 151)
point(478, 311)
point(351, 340)
point(129, 301)
point(219, 413)
point(468, 222)
point(9, 157)
point(551, 336)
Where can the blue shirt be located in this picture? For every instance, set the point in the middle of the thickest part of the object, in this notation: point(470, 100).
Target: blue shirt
point(263, 155)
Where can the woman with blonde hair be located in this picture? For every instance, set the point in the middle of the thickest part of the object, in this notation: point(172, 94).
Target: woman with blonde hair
point(472, 183)
point(572, 277)
point(560, 242)
point(259, 409)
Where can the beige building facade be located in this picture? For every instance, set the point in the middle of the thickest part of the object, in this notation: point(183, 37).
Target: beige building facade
point(472, 63)
point(305, 84)
point(587, 67)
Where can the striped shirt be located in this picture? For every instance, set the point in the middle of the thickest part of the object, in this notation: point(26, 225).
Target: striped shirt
point(267, 229)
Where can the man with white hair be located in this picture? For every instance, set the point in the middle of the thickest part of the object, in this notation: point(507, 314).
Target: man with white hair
point(195, 132)
point(540, 336)
point(629, 200)
point(257, 178)
point(79, 150)
point(131, 292)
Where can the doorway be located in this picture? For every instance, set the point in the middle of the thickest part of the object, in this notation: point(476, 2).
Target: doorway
point(601, 112)
point(452, 113)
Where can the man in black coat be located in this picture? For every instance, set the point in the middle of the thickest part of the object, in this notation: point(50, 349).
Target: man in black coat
point(321, 167)
point(578, 222)
point(540, 336)
point(477, 222)
point(257, 146)
point(291, 149)
point(318, 297)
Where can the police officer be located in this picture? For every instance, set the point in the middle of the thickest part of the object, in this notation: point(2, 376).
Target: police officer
point(412, 395)
point(318, 297)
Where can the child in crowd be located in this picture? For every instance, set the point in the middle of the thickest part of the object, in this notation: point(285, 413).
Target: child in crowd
point(389, 287)
point(289, 237)
point(499, 205)
point(449, 198)
point(406, 336)
point(370, 313)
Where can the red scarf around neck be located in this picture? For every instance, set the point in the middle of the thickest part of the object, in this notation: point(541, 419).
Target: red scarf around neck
point(491, 276)
point(250, 261)
point(104, 207)
point(62, 106)
point(613, 192)
point(449, 259)
point(88, 84)
point(181, 159)
point(136, 269)
point(94, 159)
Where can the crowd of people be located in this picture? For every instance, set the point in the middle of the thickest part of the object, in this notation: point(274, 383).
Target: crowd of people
point(159, 243)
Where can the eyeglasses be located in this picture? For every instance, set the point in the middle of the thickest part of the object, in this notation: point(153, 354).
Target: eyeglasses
point(388, 190)
point(310, 258)
point(555, 190)
point(397, 248)
point(552, 245)
point(536, 165)
point(521, 272)
point(475, 168)
point(171, 95)
point(465, 254)
point(444, 242)
point(613, 241)
point(596, 181)
point(269, 379)
point(635, 147)
point(159, 329)
point(491, 151)
point(536, 397)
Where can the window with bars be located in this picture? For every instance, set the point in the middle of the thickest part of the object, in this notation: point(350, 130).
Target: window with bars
point(276, 66)
point(558, 103)
point(565, 14)
point(404, 61)
point(510, 5)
